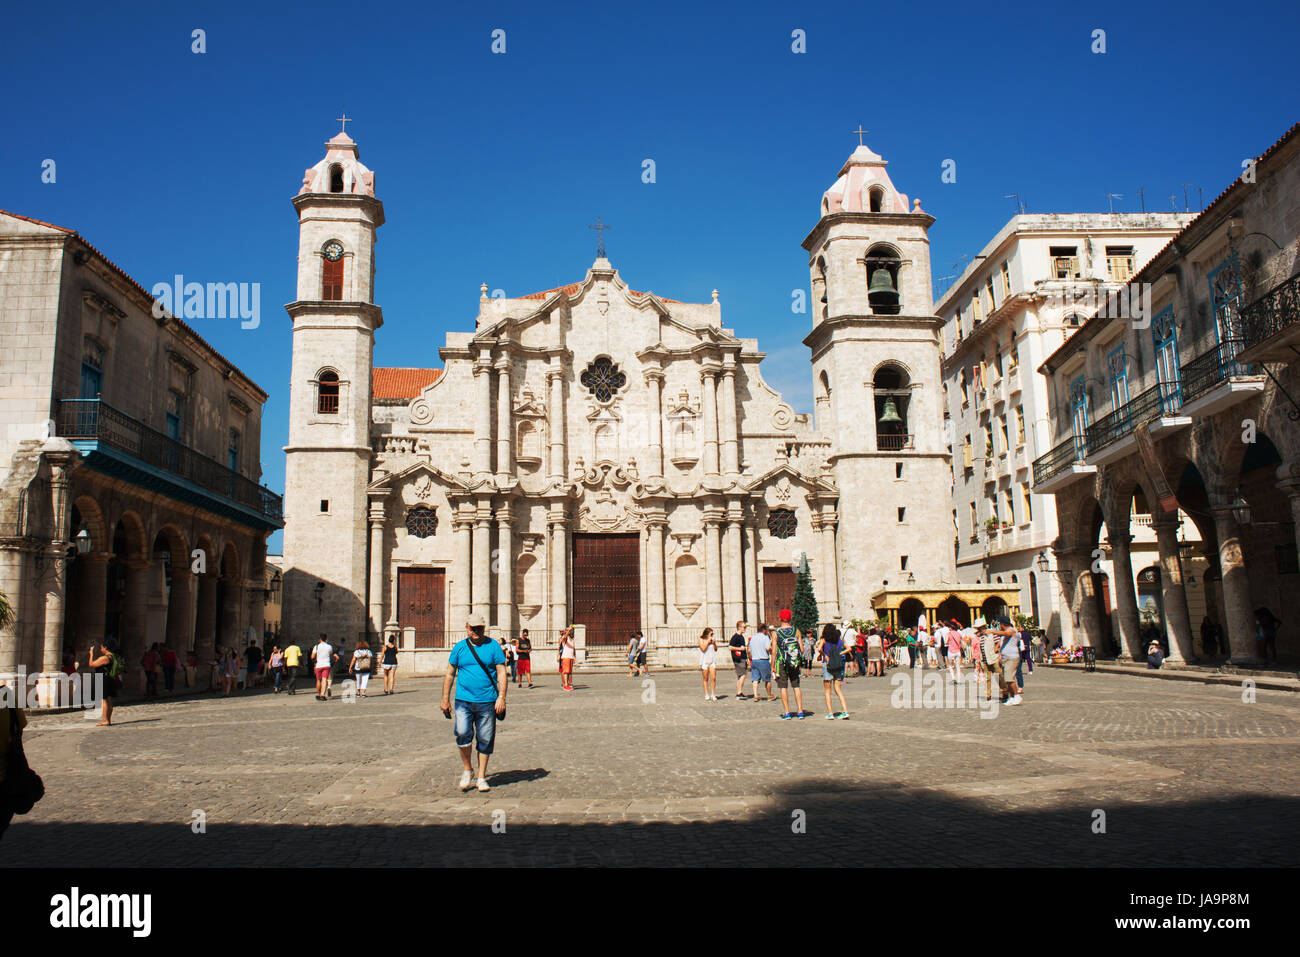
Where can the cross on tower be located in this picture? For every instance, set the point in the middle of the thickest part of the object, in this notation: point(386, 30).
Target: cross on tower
point(861, 133)
point(344, 120)
point(600, 228)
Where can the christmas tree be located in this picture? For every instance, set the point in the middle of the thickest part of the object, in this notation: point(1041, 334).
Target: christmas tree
point(803, 610)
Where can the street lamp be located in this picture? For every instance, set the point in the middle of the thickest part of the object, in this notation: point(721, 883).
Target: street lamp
point(1042, 562)
point(1241, 510)
point(83, 542)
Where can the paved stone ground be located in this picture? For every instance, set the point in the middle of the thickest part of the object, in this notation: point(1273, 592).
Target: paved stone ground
point(1187, 774)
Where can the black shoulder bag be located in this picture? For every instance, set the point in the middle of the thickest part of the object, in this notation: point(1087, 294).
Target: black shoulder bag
point(22, 787)
point(486, 670)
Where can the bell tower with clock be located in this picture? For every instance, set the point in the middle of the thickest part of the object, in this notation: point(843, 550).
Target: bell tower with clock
point(876, 380)
point(327, 460)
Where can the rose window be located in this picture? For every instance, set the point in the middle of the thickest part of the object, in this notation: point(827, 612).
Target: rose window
point(602, 379)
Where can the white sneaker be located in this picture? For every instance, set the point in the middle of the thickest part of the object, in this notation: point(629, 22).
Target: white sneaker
point(466, 779)
point(483, 785)
point(1014, 700)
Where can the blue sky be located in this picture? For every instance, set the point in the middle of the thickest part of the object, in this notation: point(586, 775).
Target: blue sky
point(491, 166)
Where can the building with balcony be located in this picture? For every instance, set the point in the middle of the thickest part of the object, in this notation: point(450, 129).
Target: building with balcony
point(1030, 288)
point(1190, 409)
point(130, 500)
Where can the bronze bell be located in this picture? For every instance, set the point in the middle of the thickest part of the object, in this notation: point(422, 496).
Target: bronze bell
point(890, 415)
point(881, 282)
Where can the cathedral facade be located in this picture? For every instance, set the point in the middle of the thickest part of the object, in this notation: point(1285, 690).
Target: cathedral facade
point(607, 458)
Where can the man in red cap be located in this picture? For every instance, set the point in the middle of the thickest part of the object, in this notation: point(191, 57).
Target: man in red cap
point(785, 662)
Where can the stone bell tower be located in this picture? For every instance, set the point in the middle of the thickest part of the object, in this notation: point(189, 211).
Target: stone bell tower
point(327, 460)
point(876, 379)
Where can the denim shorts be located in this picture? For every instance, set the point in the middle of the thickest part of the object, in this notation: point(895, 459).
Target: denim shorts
point(476, 719)
point(761, 670)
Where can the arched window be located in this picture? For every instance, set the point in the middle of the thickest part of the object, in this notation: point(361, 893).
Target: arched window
point(883, 267)
point(336, 178)
point(327, 393)
point(893, 396)
point(331, 283)
point(876, 199)
point(819, 286)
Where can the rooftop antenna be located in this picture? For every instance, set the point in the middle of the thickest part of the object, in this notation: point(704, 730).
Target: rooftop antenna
point(1200, 197)
point(942, 278)
point(1173, 203)
point(1187, 207)
point(1142, 200)
point(1110, 198)
point(1020, 207)
point(957, 264)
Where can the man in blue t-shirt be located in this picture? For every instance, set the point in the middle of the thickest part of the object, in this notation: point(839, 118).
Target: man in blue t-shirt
point(477, 668)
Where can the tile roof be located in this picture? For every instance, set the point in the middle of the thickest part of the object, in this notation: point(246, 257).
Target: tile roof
point(399, 383)
point(573, 287)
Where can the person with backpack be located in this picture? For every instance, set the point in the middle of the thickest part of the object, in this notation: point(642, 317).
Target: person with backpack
point(785, 660)
point(830, 650)
point(476, 669)
point(361, 664)
point(109, 666)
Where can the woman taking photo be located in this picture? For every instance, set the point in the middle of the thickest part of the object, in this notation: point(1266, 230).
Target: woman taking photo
point(568, 652)
point(830, 650)
point(276, 664)
point(709, 664)
point(100, 657)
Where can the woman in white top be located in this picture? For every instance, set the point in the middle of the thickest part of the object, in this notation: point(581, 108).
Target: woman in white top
point(709, 664)
point(361, 665)
point(568, 652)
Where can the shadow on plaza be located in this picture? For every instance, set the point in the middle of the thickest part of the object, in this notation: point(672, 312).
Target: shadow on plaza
point(885, 826)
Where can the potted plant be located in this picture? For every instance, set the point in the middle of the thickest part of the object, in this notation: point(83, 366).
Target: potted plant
point(991, 527)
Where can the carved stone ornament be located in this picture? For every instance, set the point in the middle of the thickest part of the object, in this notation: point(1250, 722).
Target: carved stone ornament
point(606, 513)
point(783, 417)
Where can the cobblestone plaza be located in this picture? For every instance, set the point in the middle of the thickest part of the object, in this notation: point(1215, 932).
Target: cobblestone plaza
point(624, 773)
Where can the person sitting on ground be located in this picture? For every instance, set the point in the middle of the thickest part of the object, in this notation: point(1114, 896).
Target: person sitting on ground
point(1155, 655)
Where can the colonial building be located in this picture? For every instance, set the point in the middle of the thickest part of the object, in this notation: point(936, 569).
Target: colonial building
point(606, 457)
point(1028, 290)
point(129, 463)
point(1194, 414)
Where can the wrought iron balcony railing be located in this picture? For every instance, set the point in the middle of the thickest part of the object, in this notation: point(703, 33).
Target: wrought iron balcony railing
point(97, 420)
point(1069, 452)
point(893, 443)
point(1272, 312)
point(1147, 406)
point(1210, 368)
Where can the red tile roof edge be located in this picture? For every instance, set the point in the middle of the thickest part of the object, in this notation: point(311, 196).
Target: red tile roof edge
point(401, 382)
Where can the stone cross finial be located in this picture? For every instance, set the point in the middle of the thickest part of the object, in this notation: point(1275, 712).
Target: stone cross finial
point(861, 133)
point(600, 228)
point(344, 119)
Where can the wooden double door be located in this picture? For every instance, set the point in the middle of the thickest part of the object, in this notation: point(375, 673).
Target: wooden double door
point(607, 586)
point(778, 593)
point(422, 604)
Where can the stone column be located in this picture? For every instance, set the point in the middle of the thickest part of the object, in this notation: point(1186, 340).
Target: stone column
point(93, 600)
point(1125, 596)
point(503, 419)
point(480, 583)
point(378, 555)
point(460, 600)
point(1177, 619)
point(56, 562)
point(483, 414)
point(555, 418)
point(15, 571)
point(1292, 489)
point(505, 569)
point(232, 633)
point(750, 543)
point(654, 380)
point(734, 590)
point(205, 626)
point(1077, 565)
point(713, 517)
point(830, 575)
point(657, 524)
point(1240, 623)
point(710, 404)
point(557, 524)
point(134, 621)
point(180, 609)
point(730, 427)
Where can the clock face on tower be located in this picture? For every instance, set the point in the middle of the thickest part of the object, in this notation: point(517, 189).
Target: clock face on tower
point(333, 250)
